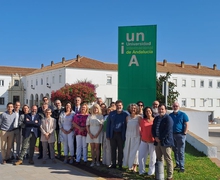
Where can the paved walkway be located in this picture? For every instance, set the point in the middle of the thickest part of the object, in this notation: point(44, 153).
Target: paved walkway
point(214, 138)
point(40, 171)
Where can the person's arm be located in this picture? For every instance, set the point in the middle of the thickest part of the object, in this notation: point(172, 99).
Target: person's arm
point(186, 128)
point(108, 126)
point(42, 128)
point(53, 127)
point(100, 128)
point(0, 120)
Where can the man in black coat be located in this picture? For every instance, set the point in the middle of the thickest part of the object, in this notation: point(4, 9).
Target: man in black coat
point(32, 124)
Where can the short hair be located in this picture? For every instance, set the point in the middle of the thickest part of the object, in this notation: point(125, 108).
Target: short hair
point(57, 100)
point(103, 104)
point(45, 97)
point(144, 112)
point(10, 103)
point(87, 107)
point(48, 109)
point(112, 103)
point(17, 102)
point(119, 101)
point(95, 106)
point(162, 105)
point(131, 105)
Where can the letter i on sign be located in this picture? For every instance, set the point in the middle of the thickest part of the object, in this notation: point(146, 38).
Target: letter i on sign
point(122, 48)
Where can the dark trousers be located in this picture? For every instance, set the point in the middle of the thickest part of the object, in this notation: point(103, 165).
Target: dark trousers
point(30, 142)
point(117, 143)
point(58, 143)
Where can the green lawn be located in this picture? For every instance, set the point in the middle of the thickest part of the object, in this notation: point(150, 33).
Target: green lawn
point(197, 167)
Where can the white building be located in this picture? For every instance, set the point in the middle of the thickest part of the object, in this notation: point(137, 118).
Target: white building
point(199, 86)
point(12, 89)
point(42, 82)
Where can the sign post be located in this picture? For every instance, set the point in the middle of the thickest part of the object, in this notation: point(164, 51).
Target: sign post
point(137, 64)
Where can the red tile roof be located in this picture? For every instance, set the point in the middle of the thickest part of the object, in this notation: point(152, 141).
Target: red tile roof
point(8, 70)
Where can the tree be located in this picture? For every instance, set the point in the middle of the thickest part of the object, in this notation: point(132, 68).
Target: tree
point(84, 89)
point(172, 97)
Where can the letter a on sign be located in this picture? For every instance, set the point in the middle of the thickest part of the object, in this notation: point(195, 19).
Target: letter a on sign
point(133, 61)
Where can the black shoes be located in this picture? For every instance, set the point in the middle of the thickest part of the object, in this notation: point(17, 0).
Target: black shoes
point(112, 166)
point(120, 167)
point(40, 157)
point(181, 170)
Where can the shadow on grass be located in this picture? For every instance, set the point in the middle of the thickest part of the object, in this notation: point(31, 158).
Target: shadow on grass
point(193, 151)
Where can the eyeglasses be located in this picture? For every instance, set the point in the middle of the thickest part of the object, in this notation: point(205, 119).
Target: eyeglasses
point(140, 105)
point(156, 104)
point(175, 106)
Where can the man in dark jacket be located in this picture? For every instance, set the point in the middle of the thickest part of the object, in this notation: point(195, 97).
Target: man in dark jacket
point(162, 131)
point(56, 115)
point(32, 123)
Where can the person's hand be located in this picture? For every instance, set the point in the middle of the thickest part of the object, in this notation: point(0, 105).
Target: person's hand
point(36, 121)
point(157, 139)
point(91, 136)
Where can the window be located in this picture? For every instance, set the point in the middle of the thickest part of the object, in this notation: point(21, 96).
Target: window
point(47, 79)
point(218, 103)
point(36, 82)
point(41, 81)
point(31, 82)
point(2, 101)
point(183, 103)
point(210, 83)
point(175, 81)
point(16, 82)
point(201, 103)
point(109, 79)
point(183, 83)
point(193, 83)
point(60, 78)
point(210, 103)
point(1, 82)
point(193, 102)
point(202, 83)
point(218, 84)
point(108, 101)
point(53, 79)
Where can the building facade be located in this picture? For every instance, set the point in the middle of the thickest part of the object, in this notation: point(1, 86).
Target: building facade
point(199, 86)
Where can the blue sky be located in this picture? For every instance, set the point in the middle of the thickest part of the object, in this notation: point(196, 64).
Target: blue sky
point(33, 32)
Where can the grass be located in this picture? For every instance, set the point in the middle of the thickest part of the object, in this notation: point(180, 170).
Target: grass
point(197, 167)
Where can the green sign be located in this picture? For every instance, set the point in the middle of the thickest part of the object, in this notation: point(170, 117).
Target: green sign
point(137, 64)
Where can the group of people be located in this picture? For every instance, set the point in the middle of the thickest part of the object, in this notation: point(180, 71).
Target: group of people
point(118, 137)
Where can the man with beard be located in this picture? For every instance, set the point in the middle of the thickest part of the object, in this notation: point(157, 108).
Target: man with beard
point(180, 127)
point(155, 108)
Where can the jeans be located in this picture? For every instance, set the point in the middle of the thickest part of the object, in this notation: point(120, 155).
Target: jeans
point(179, 149)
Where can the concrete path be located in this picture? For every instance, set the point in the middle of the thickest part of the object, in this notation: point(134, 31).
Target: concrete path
point(214, 137)
point(40, 171)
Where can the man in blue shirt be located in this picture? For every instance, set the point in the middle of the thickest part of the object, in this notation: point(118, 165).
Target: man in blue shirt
point(115, 131)
point(180, 127)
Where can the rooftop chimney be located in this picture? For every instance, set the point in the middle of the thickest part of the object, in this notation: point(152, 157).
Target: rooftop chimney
point(214, 67)
point(165, 62)
point(198, 65)
point(42, 65)
point(63, 60)
point(182, 64)
point(52, 63)
point(78, 58)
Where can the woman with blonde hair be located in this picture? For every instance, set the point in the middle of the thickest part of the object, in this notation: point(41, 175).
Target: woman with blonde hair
point(79, 123)
point(132, 141)
point(94, 125)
